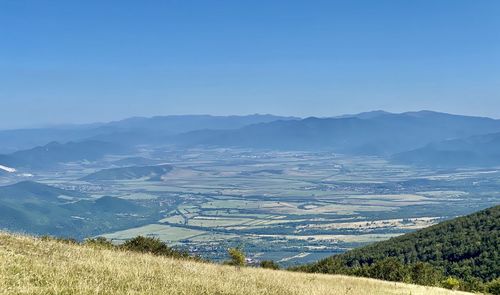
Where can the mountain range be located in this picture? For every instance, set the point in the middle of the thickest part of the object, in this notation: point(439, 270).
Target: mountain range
point(414, 138)
point(136, 130)
point(479, 150)
point(380, 134)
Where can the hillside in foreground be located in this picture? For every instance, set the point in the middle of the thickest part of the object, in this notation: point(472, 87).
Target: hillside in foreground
point(465, 248)
point(34, 266)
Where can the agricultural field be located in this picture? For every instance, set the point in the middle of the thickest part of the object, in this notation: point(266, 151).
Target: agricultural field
point(292, 207)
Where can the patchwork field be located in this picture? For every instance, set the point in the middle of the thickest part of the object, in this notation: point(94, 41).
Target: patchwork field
point(293, 207)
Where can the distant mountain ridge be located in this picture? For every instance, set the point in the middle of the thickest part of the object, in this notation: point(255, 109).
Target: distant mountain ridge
point(475, 151)
point(364, 115)
point(414, 138)
point(136, 130)
point(378, 133)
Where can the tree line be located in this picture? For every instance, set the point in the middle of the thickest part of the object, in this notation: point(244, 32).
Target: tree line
point(462, 253)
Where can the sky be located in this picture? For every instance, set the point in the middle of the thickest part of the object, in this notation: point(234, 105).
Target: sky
point(86, 61)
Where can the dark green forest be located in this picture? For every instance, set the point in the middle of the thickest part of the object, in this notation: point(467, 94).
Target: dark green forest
point(461, 253)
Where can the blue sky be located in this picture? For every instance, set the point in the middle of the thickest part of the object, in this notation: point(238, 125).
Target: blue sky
point(83, 61)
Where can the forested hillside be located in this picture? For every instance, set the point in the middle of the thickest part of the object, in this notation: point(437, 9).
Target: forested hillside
point(463, 252)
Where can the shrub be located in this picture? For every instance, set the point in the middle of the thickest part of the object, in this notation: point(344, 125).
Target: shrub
point(472, 284)
point(389, 269)
point(425, 274)
point(451, 283)
point(237, 257)
point(99, 242)
point(59, 239)
point(493, 287)
point(153, 246)
point(269, 264)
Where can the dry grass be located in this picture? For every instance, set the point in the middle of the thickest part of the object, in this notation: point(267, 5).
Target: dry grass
point(32, 266)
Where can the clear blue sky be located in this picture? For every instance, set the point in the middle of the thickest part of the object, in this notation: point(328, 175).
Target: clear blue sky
point(82, 61)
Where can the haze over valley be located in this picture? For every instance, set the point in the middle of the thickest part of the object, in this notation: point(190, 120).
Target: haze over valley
point(289, 189)
point(250, 147)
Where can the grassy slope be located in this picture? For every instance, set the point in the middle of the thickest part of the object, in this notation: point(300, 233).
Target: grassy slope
point(32, 266)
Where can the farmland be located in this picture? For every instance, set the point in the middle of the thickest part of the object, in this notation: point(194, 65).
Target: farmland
point(292, 207)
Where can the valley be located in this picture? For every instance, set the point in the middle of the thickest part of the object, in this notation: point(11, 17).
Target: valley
point(288, 206)
point(249, 147)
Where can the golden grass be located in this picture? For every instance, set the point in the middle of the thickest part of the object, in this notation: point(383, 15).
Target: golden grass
point(32, 266)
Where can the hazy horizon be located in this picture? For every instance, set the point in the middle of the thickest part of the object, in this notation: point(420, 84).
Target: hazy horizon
point(63, 124)
point(99, 61)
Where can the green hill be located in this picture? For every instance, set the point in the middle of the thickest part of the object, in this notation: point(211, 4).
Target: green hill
point(33, 190)
point(105, 204)
point(54, 153)
point(466, 248)
point(37, 208)
point(475, 151)
point(40, 266)
point(136, 161)
point(128, 173)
